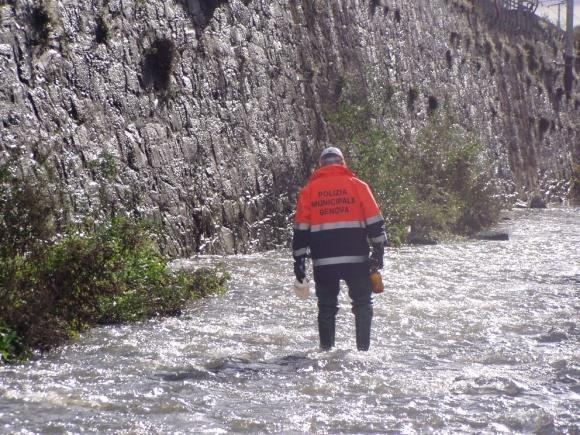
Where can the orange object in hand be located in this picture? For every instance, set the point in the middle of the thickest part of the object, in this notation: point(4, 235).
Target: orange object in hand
point(376, 282)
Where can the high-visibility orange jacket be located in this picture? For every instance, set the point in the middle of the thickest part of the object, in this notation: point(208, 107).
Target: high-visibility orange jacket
point(336, 218)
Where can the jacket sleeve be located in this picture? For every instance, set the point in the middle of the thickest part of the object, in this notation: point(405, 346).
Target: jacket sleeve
point(374, 221)
point(301, 238)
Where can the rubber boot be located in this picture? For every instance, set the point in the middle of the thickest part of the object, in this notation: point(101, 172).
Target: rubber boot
point(363, 315)
point(327, 326)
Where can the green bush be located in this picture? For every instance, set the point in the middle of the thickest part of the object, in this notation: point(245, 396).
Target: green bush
point(27, 211)
point(52, 286)
point(9, 344)
point(111, 275)
point(440, 184)
point(452, 179)
point(575, 182)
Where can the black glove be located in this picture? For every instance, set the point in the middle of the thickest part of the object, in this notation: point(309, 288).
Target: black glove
point(300, 268)
point(376, 259)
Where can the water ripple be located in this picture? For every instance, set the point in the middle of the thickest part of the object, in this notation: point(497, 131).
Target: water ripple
point(468, 337)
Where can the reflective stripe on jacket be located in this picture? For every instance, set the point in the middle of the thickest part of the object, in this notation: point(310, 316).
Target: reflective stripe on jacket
point(336, 217)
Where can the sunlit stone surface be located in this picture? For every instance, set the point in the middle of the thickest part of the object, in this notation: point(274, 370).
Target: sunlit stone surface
point(208, 115)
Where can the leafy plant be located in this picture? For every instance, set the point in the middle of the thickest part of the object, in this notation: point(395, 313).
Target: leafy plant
point(55, 284)
point(28, 211)
point(9, 344)
point(437, 185)
point(452, 179)
point(105, 166)
point(575, 181)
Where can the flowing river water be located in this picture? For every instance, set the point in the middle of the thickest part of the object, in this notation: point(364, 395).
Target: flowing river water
point(470, 337)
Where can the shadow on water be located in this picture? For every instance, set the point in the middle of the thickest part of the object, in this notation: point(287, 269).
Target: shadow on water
point(224, 368)
point(188, 375)
point(557, 280)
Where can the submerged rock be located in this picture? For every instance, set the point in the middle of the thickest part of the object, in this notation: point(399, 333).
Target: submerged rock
point(289, 363)
point(421, 240)
point(193, 374)
point(553, 336)
point(491, 235)
point(537, 202)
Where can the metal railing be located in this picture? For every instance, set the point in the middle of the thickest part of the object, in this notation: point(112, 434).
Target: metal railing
point(555, 3)
point(528, 6)
point(511, 15)
point(518, 16)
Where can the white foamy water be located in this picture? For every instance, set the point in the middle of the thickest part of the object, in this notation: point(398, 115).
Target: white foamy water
point(476, 337)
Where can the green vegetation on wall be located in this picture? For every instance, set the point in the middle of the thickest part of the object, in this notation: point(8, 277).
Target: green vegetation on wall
point(575, 182)
point(437, 184)
point(56, 281)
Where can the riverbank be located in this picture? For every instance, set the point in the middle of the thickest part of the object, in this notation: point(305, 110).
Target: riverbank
point(55, 290)
point(59, 279)
point(63, 272)
point(468, 337)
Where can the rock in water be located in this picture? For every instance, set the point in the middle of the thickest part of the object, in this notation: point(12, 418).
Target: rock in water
point(491, 235)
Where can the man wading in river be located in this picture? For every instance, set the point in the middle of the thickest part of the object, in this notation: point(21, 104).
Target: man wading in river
point(336, 218)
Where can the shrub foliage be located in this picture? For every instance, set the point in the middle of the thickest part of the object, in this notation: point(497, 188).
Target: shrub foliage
point(52, 286)
point(441, 183)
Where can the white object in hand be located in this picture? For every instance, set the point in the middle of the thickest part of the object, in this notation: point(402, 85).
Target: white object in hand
point(302, 289)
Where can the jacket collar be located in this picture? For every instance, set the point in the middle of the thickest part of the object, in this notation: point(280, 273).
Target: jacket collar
point(331, 171)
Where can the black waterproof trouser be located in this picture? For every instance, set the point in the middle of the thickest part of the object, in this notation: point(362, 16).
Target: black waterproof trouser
point(359, 290)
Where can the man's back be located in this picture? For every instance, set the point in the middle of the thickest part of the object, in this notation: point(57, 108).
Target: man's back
point(336, 217)
point(337, 211)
